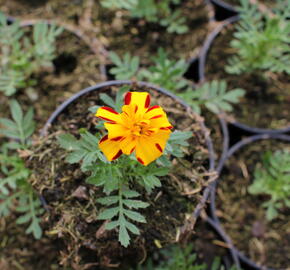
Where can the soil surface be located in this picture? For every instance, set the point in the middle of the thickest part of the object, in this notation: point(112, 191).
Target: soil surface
point(242, 216)
point(73, 218)
point(266, 103)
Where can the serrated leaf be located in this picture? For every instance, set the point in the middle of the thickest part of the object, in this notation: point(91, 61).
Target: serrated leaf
point(135, 216)
point(135, 204)
point(108, 200)
point(124, 237)
point(108, 213)
point(68, 142)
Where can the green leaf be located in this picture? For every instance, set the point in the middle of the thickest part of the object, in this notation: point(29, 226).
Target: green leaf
point(108, 200)
point(108, 213)
point(68, 142)
point(124, 237)
point(134, 216)
point(135, 204)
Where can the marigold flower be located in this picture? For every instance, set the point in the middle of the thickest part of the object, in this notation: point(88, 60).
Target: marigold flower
point(138, 128)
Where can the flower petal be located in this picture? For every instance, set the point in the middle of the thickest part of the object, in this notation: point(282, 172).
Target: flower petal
point(108, 114)
point(149, 148)
point(141, 99)
point(128, 145)
point(110, 148)
point(157, 117)
point(116, 130)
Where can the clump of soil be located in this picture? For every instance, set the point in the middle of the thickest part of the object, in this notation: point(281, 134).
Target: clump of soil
point(243, 217)
point(72, 204)
point(272, 93)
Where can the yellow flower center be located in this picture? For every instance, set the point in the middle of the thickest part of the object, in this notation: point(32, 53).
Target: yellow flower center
point(141, 128)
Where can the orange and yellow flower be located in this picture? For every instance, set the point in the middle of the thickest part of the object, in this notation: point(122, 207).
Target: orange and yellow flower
point(138, 128)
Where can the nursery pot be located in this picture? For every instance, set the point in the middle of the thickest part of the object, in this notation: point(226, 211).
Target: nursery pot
point(64, 190)
point(207, 71)
point(238, 215)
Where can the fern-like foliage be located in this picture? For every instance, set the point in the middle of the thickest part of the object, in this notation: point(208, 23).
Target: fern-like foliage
point(273, 179)
point(21, 56)
point(125, 68)
point(153, 11)
point(121, 214)
point(16, 193)
point(177, 258)
point(165, 72)
point(214, 96)
point(262, 41)
point(20, 127)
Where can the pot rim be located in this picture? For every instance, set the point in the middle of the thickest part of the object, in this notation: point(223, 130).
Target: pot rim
point(215, 218)
point(201, 70)
point(224, 5)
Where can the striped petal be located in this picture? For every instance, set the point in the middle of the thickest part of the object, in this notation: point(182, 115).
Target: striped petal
point(108, 114)
point(141, 99)
point(116, 130)
point(128, 145)
point(157, 117)
point(110, 148)
point(149, 148)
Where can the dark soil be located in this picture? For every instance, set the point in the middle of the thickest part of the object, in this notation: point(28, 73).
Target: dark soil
point(266, 243)
point(266, 103)
point(74, 219)
point(21, 251)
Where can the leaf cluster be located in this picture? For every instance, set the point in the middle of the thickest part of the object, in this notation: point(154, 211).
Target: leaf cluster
point(162, 12)
point(262, 41)
point(214, 96)
point(22, 56)
point(177, 258)
point(20, 127)
point(164, 72)
point(167, 73)
point(272, 178)
point(16, 193)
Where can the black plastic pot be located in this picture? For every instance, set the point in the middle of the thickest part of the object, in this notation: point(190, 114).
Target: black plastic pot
point(201, 70)
point(214, 220)
point(224, 5)
point(205, 195)
point(99, 86)
point(223, 10)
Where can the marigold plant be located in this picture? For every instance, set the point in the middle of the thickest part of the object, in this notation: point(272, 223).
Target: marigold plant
point(132, 127)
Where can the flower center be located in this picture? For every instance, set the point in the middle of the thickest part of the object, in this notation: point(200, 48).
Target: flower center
point(141, 128)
